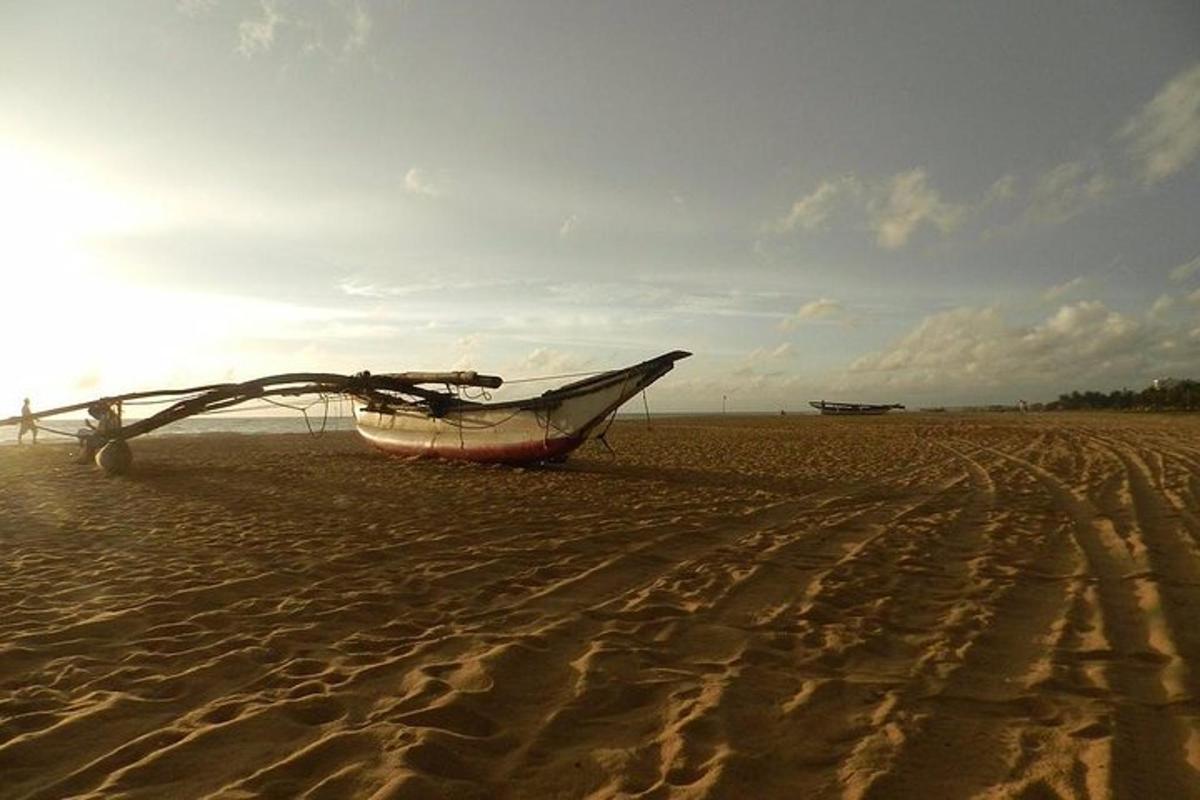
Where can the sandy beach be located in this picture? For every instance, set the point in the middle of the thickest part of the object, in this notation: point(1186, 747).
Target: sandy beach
point(757, 607)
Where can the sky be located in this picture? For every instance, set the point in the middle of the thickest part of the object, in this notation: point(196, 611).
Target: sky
point(929, 203)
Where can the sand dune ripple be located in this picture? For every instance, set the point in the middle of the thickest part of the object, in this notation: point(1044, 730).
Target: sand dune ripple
point(943, 606)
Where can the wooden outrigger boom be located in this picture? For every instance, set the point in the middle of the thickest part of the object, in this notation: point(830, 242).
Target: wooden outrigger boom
point(402, 415)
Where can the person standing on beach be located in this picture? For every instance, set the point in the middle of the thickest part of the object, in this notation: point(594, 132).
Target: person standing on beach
point(28, 423)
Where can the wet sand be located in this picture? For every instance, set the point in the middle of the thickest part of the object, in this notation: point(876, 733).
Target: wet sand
point(909, 606)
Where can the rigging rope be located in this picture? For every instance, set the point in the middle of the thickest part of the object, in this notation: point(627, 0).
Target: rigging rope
point(166, 402)
point(555, 377)
point(42, 428)
point(483, 394)
point(304, 411)
point(602, 437)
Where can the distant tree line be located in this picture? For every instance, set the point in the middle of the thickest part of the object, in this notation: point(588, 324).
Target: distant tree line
point(1175, 395)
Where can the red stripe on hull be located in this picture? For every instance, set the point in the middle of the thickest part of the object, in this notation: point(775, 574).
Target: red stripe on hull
point(523, 453)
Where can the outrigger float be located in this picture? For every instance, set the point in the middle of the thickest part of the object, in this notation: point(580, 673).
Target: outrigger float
point(403, 413)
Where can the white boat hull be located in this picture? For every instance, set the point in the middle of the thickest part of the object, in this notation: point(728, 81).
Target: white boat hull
point(546, 428)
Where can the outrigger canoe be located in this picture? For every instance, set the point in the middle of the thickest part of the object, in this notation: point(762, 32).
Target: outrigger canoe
point(400, 412)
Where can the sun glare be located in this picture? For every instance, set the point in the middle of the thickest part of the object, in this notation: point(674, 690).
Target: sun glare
point(79, 327)
point(65, 316)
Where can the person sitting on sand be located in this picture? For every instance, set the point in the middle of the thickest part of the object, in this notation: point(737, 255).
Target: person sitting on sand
point(28, 423)
point(107, 422)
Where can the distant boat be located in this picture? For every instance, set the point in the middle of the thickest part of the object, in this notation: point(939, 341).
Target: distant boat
point(853, 409)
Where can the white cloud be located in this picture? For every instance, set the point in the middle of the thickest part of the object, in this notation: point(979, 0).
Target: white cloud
point(543, 361)
point(1066, 191)
point(1001, 191)
point(812, 212)
point(418, 181)
point(761, 367)
point(819, 309)
point(568, 227)
point(257, 35)
point(1062, 289)
point(950, 338)
point(467, 349)
point(1164, 136)
point(353, 288)
point(784, 350)
point(471, 341)
point(195, 8)
point(359, 22)
point(893, 209)
point(906, 204)
point(1162, 307)
point(312, 27)
point(977, 350)
point(1185, 271)
point(357, 287)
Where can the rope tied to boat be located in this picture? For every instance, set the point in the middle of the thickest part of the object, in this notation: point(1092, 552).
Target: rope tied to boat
point(537, 378)
point(483, 395)
point(44, 429)
point(324, 398)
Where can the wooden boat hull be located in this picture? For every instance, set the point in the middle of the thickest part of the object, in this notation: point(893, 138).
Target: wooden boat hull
point(544, 428)
point(858, 412)
point(852, 409)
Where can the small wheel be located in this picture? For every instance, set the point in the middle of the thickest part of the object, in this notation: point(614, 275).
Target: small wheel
point(115, 457)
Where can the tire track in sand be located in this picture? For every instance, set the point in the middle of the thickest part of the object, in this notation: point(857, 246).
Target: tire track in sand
point(1149, 746)
point(677, 691)
point(996, 706)
point(1170, 585)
